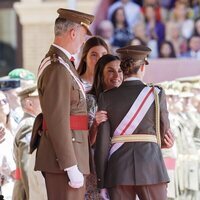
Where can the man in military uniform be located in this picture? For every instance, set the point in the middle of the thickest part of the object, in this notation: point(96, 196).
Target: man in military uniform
point(62, 154)
point(31, 107)
point(128, 154)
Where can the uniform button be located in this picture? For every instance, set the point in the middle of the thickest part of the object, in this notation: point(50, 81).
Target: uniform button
point(99, 179)
point(73, 139)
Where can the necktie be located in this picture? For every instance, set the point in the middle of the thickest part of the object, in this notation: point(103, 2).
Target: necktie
point(72, 61)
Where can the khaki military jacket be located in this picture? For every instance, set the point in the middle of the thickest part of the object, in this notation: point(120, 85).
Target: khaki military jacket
point(60, 96)
point(134, 163)
point(21, 149)
point(37, 188)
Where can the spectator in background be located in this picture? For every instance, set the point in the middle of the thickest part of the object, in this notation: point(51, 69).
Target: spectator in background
point(100, 14)
point(94, 48)
point(24, 77)
point(137, 41)
point(166, 6)
point(194, 48)
point(173, 35)
point(179, 16)
point(195, 5)
point(155, 29)
point(105, 29)
point(132, 11)
point(157, 8)
point(197, 26)
point(9, 86)
point(31, 106)
point(7, 164)
point(5, 117)
point(166, 50)
point(139, 31)
point(122, 34)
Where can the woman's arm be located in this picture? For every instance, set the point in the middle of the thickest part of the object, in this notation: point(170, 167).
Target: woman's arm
point(100, 116)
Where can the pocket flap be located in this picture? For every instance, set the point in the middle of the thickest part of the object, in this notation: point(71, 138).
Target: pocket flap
point(77, 136)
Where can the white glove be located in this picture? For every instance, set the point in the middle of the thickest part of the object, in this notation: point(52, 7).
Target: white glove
point(76, 179)
point(104, 194)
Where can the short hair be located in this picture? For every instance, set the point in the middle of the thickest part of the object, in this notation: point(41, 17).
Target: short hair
point(23, 101)
point(62, 25)
point(91, 42)
point(97, 86)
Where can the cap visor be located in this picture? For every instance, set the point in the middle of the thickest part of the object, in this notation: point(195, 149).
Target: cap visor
point(87, 29)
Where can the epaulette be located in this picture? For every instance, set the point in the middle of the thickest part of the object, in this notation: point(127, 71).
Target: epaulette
point(54, 58)
point(150, 84)
point(153, 85)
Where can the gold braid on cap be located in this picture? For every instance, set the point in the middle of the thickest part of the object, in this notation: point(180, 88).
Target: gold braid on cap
point(84, 24)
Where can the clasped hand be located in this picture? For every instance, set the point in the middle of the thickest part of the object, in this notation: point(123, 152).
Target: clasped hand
point(76, 179)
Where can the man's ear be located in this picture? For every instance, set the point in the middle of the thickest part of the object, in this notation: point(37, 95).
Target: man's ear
point(73, 33)
point(29, 102)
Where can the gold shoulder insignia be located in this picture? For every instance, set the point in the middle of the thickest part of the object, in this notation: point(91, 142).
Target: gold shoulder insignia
point(150, 84)
point(54, 58)
point(153, 85)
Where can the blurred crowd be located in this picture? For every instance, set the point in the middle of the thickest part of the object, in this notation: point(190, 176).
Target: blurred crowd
point(170, 28)
point(19, 105)
point(183, 159)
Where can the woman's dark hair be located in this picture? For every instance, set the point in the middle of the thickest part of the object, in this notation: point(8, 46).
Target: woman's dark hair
point(91, 42)
point(97, 86)
point(172, 54)
point(113, 18)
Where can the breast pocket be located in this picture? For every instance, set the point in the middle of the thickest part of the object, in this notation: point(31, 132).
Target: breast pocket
point(77, 97)
point(75, 93)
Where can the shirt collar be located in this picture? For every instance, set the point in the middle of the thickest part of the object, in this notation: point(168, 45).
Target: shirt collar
point(63, 50)
point(132, 79)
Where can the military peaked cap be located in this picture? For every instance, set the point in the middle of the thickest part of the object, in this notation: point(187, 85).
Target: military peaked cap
point(21, 73)
point(77, 17)
point(29, 91)
point(135, 52)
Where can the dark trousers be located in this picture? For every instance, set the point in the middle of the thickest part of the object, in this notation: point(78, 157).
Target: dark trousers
point(147, 192)
point(58, 188)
